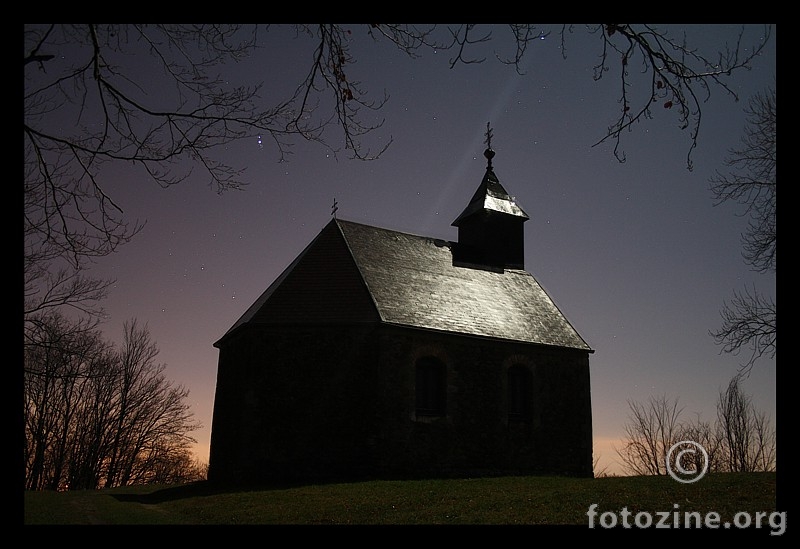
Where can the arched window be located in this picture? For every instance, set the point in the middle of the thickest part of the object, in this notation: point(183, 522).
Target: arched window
point(519, 392)
point(431, 387)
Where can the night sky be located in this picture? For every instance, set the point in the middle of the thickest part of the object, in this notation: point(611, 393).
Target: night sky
point(635, 254)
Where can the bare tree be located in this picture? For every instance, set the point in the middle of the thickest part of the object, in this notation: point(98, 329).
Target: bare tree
point(710, 438)
point(94, 415)
point(740, 440)
point(651, 431)
point(149, 410)
point(92, 429)
point(168, 461)
point(749, 319)
point(748, 438)
point(58, 357)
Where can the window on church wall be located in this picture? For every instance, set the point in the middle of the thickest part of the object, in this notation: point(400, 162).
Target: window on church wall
point(519, 393)
point(431, 387)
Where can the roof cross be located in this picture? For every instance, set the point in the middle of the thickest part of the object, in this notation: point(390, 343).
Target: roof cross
point(488, 139)
point(488, 153)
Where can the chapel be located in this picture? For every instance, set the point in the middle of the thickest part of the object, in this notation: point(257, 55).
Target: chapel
point(383, 354)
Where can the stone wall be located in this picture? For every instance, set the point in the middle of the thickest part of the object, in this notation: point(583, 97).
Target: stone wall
point(325, 402)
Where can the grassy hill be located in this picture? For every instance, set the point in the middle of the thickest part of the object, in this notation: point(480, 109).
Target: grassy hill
point(477, 501)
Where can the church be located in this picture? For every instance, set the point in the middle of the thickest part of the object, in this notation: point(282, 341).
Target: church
point(379, 354)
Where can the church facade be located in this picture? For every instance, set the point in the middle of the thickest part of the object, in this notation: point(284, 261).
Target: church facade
point(384, 354)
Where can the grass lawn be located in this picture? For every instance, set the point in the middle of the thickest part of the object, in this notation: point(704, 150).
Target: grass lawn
point(478, 501)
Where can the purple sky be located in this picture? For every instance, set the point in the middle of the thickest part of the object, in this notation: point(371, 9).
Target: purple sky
point(635, 254)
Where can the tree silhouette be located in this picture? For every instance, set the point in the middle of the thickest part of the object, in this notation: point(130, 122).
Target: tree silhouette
point(741, 439)
point(98, 416)
point(653, 427)
point(749, 319)
point(748, 439)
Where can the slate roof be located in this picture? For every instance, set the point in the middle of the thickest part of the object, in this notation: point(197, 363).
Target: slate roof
point(491, 196)
point(414, 283)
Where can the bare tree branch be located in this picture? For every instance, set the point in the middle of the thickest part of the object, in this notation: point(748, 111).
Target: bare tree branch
point(752, 181)
point(678, 75)
point(748, 320)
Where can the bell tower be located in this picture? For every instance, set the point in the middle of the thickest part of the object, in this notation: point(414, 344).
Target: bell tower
point(490, 229)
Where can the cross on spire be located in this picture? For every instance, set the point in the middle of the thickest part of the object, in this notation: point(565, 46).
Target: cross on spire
point(488, 139)
point(488, 153)
point(334, 208)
